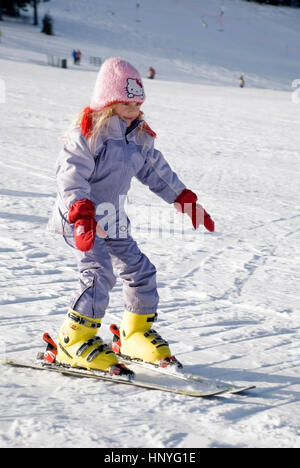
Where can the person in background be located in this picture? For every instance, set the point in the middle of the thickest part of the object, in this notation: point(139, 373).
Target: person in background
point(241, 81)
point(151, 73)
point(79, 54)
point(76, 54)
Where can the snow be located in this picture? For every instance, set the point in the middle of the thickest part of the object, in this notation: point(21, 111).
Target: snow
point(229, 300)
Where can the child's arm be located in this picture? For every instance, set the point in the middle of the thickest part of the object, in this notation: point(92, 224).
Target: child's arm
point(164, 182)
point(75, 167)
point(160, 178)
point(74, 171)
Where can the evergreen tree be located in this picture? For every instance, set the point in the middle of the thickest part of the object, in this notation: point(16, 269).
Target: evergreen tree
point(289, 3)
point(13, 7)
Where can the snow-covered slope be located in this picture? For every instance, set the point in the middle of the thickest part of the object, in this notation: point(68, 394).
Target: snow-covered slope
point(229, 300)
point(188, 40)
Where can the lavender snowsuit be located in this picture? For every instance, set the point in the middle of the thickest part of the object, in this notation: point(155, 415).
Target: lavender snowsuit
point(104, 176)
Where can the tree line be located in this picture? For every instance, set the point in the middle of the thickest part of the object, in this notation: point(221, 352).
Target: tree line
point(15, 7)
point(288, 3)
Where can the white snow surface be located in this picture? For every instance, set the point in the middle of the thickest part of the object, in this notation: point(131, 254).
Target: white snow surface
point(229, 301)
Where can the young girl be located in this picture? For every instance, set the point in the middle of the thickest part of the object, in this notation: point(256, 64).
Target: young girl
point(109, 145)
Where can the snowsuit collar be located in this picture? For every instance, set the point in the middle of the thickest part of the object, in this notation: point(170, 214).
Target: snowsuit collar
point(117, 128)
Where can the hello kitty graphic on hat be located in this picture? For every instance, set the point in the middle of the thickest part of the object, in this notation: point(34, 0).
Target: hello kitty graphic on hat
point(117, 81)
point(134, 88)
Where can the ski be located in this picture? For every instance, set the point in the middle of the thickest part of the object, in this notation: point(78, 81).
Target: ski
point(170, 367)
point(193, 380)
point(208, 389)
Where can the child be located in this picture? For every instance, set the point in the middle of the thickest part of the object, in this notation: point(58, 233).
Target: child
point(110, 144)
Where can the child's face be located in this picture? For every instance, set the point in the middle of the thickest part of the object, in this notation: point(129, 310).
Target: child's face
point(128, 111)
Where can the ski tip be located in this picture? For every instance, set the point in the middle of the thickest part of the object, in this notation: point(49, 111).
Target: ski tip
point(240, 390)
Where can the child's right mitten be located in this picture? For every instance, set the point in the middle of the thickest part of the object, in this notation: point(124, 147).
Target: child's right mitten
point(82, 215)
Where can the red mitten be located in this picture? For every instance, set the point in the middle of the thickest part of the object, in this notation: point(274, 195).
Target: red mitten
point(82, 215)
point(85, 234)
point(82, 209)
point(187, 203)
point(209, 223)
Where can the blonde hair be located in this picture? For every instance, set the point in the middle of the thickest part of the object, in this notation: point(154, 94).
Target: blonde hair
point(100, 120)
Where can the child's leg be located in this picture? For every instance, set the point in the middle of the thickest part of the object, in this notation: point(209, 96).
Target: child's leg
point(138, 339)
point(138, 275)
point(96, 280)
point(78, 344)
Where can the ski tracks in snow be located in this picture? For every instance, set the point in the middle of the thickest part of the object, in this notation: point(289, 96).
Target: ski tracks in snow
point(229, 301)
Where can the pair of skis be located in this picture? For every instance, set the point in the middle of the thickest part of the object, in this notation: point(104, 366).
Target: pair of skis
point(171, 378)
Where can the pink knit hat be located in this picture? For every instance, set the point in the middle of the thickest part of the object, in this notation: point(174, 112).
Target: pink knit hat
point(117, 81)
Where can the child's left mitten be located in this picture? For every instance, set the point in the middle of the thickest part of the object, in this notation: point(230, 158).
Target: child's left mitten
point(187, 203)
point(82, 215)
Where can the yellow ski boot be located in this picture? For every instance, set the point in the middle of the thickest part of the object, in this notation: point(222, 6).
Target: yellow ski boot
point(139, 341)
point(78, 345)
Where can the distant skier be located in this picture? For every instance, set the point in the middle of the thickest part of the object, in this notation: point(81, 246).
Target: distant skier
point(47, 24)
point(151, 73)
point(109, 145)
point(76, 54)
point(241, 81)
